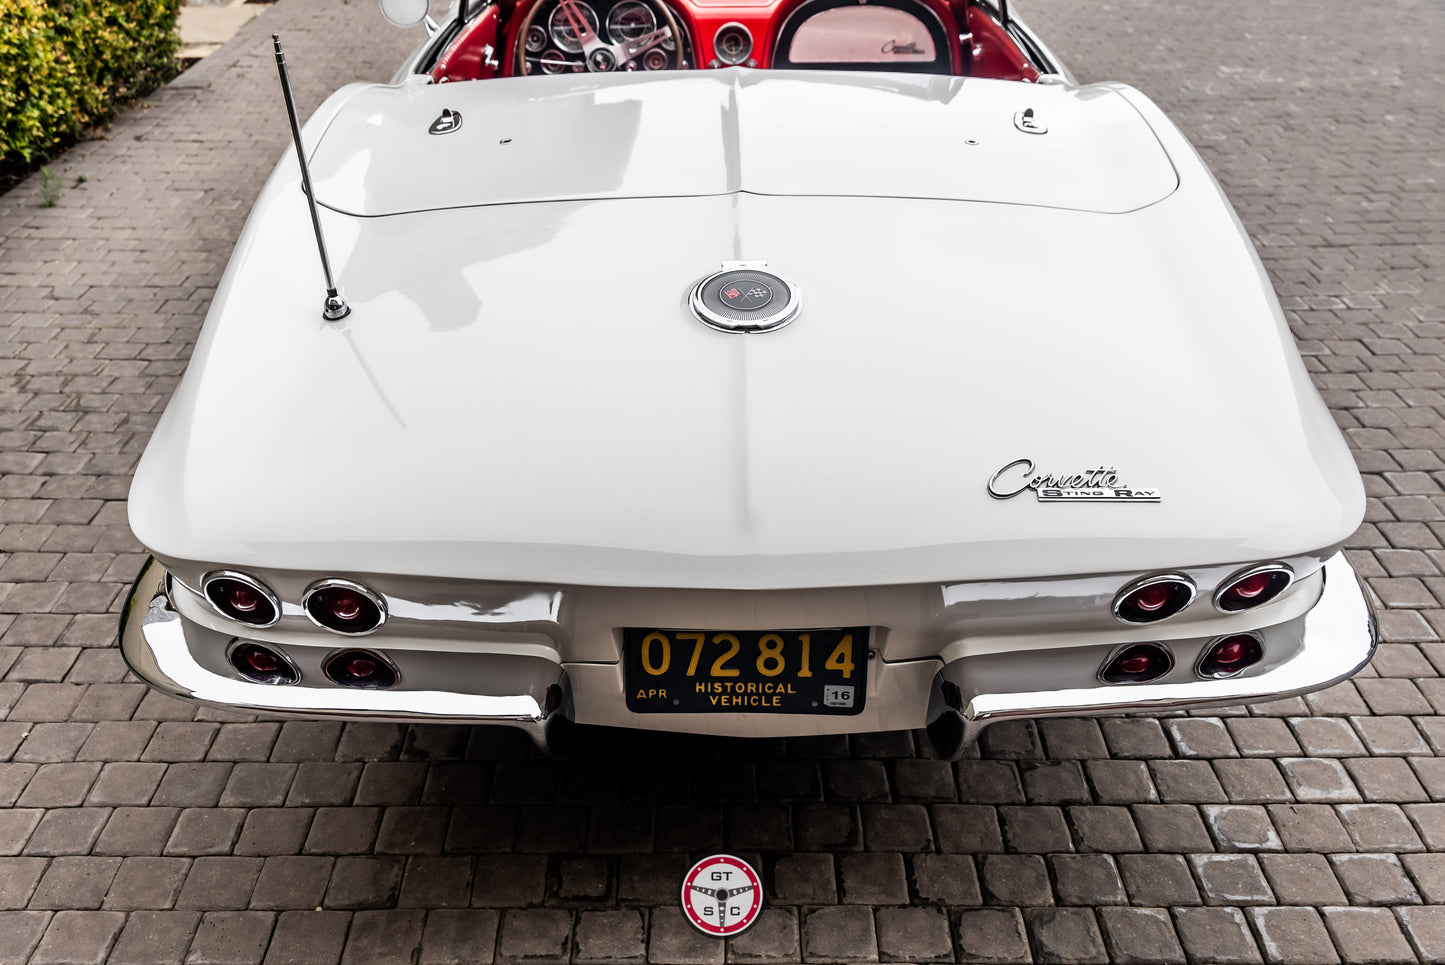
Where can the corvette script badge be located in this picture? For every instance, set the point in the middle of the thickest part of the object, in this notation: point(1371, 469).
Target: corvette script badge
point(1097, 485)
point(722, 896)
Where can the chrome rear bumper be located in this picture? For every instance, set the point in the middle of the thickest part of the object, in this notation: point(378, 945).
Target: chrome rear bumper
point(1339, 638)
point(153, 642)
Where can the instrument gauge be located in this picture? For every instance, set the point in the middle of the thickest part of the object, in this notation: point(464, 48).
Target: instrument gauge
point(630, 20)
point(656, 59)
point(732, 43)
point(555, 62)
point(536, 39)
point(563, 33)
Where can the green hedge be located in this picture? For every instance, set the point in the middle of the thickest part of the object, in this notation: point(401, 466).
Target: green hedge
point(66, 64)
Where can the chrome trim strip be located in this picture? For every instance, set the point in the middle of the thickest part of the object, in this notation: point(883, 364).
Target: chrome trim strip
point(1340, 638)
point(153, 643)
point(1249, 571)
point(250, 581)
point(377, 600)
point(1142, 582)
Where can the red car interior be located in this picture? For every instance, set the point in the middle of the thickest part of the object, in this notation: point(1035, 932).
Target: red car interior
point(944, 37)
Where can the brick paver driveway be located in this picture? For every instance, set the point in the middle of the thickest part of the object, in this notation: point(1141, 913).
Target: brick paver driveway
point(141, 830)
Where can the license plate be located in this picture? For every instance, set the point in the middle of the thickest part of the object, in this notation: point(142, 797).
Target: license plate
point(745, 671)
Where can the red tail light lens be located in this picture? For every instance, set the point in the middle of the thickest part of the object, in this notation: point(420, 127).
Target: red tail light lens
point(239, 597)
point(344, 607)
point(1136, 664)
point(364, 669)
point(1153, 598)
point(263, 664)
point(1253, 587)
point(1230, 655)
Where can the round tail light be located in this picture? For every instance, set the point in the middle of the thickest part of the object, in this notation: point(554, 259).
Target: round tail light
point(1153, 598)
point(1137, 663)
point(364, 669)
point(239, 597)
point(1253, 587)
point(1230, 655)
point(344, 607)
point(263, 664)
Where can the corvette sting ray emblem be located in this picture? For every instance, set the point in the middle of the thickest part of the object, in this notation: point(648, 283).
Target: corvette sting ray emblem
point(744, 298)
point(1097, 485)
point(722, 896)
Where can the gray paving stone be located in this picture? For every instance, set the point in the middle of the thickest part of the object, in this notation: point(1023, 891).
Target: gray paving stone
point(391, 937)
point(993, 935)
point(146, 883)
point(66, 830)
point(205, 831)
point(503, 881)
point(1367, 935)
point(1015, 879)
point(1171, 827)
point(1065, 935)
point(1251, 780)
point(810, 878)
point(872, 879)
point(1374, 879)
point(78, 938)
point(1425, 928)
point(1292, 935)
point(1035, 829)
point(133, 830)
point(1301, 879)
point(1087, 879)
point(1186, 782)
point(1141, 936)
point(948, 879)
point(291, 882)
point(616, 936)
point(1316, 780)
point(309, 938)
point(217, 883)
point(364, 882)
point(1104, 829)
point(23, 930)
point(155, 937)
point(1215, 935)
point(914, 934)
point(1231, 879)
point(1121, 782)
point(837, 934)
point(231, 938)
point(464, 936)
point(1427, 871)
point(74, 882)
point(1379, 827)
point(1158, 878)
point(671, 939)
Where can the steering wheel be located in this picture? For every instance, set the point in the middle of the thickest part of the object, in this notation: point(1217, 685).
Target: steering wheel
point(596, 53)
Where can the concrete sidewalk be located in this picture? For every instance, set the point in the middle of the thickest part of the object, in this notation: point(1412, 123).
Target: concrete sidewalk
point(134, 829)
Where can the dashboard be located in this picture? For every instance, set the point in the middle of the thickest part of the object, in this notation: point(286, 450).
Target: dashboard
point(509, 38)
point(574, 36)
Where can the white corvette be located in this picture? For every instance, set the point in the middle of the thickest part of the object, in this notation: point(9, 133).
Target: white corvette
point(880, 377)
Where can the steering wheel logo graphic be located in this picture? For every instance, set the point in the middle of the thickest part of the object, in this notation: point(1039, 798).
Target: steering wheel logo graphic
point(722, 896)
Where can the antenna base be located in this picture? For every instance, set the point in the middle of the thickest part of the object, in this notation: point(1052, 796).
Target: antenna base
point(335, 307)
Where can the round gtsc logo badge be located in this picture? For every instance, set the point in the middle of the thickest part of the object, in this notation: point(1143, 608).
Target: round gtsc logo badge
point(722, 896)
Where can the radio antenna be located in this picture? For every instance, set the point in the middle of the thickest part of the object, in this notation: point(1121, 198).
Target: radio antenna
point(335, 308)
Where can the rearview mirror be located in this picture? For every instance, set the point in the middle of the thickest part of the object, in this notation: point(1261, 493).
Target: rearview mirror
point(404, 13)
